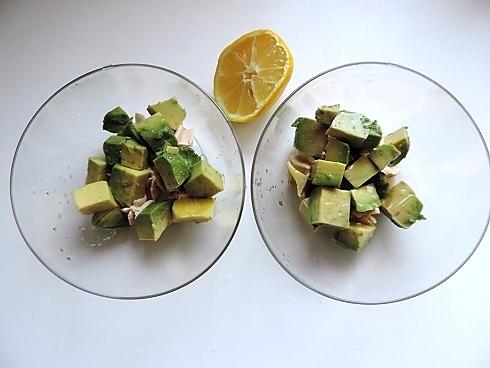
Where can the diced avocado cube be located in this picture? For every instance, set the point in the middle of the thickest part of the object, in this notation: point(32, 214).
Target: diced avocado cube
point(402, 206)
point(96, 170)
point(383, 155)
point(349, 127)
point(299, 180)
point(401, 141)
point(326, 114)
point(356, 237)
point(188, 153)
point(193, 209)
point(156, 132)
point(171, 111)
point(111, 219)
point(134, 155)
point(310, 136)
point(112, 149)
point(337, 151)
point(360, 171)
point(173, 169)
point(381, 183)
point(128, 184)
point(153, 220)
point(131, 132)
point(374, 136)
point(94, 197)
point(365, 198)
point(327, 173)
point(172, 149)
point(204, 181)
point(115, 120)
point(304, 210)
point(330, 207)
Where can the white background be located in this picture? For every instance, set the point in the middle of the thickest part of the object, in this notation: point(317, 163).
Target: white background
point(246, 311)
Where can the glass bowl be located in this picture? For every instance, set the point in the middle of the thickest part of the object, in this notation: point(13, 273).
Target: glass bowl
point(50, 161)
point(447, 166)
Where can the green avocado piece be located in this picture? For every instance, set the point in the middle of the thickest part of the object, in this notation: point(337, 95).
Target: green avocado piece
point(171, 111)
point(204, 182)
point(304, 210)
point(310, 136)
point(134, 155)
point(96, 170)
point(153, 220)
point(356, 237)
point(172, 149)
point(112, 219)
point(173, 168)
point(112, 149)
point(131, 132)
point(327, 173)
point(325, 114)
point(193, 209)
point(94, 197)
point(337, 151)
point(402, 206)
point(299, 180)
point(156, 132)
point(188, 153)
point(381, 184)
point(383, 155)
point(401, 141)
point(115, 120)
point(360, 171)
point(375, 134)
point(365, 198)
point(128, 184)
point(330, 207)
point(349, 127)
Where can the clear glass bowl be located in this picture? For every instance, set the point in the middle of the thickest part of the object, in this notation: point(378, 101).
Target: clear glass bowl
point(50, 161)
point(447, 166)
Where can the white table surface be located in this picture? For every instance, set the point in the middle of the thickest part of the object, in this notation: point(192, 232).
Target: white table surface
point(246, 311)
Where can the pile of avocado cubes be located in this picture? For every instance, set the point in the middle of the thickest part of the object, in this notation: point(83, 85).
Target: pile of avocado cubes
point(343, 180)
point(134, 156)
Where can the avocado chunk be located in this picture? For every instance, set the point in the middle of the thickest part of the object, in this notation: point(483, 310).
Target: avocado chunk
point(337, 151)
point(131, 132)
point(310, 136)
point(153, 220)
point(401, 141)
point(299, 180)
point(134, 155)
point(188, 153)
point(96, 170)
point(365, 198)
point(304, 210)
point(112, 149)
point(111, 219)
point(327, 173)
point(128, 184)
point(172, 149)
point(193, 209)
point(383, 155)
point(356, 237)
point(325, 114)
point(402, 206)
point(330, 207)
point(349, 127)
point(94, 197)
point(156, 132)
point(115, 120)
point(360, 171)
point(173, 169)
point(171, 111)
point(204, 182)
point(381, 183)
point(375, 134)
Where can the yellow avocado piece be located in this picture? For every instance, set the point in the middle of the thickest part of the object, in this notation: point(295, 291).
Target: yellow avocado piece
point(193, 209)
point(299, 178)
point(94, 197)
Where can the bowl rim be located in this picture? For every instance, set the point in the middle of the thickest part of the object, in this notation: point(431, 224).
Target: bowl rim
point(74, 81)
point(252, 180)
